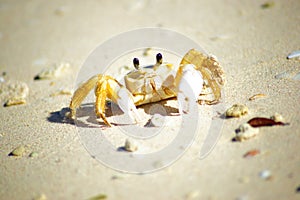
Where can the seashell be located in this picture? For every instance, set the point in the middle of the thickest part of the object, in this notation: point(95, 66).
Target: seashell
point(130, 146)
point(237, 110)
point(245, 132)
point(52, 72)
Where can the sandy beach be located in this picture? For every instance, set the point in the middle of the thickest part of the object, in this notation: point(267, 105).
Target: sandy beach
point(251, 40)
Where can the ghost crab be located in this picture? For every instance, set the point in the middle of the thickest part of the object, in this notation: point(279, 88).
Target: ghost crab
point(155, 83)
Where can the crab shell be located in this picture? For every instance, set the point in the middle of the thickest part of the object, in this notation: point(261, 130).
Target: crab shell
point(151, 84)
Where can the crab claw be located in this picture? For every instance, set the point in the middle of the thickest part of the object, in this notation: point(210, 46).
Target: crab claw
point(189, 83)
point(126, 104)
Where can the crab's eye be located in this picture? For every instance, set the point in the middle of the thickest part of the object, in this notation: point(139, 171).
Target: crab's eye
point(159, 58)
point(136, 63)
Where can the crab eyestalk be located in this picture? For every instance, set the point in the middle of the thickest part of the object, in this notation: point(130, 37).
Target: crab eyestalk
point(136, 63)
point(158, 59)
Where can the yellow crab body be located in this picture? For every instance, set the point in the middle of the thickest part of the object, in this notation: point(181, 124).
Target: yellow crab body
point(151, 83)
point(155, 83)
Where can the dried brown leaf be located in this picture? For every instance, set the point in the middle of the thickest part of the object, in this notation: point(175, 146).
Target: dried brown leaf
point(261, 121)
point(256, 96)
point(251, 153)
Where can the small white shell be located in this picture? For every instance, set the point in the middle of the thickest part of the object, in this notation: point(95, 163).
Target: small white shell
point(52, 72)
point(13, 93)
point(130, 146)
point(237, 110)
point(265, 174)
point(294, 54)
point(245, 131)
point(277, 117)
point(18, 151)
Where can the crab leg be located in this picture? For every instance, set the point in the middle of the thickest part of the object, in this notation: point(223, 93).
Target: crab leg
point(81, 93)
point(189, 83)
point(110, 88)
point(106, 87)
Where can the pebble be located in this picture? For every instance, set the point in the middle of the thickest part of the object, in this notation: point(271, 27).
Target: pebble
point(52, 72)
point(130, 146)
point(60, 11)
point(40, 197)
point(14, 93)
point(98, 197)
point(18, 151)
point(33, 154)
point(237, 110)
point(294, 54)
point(267, 5)
point(147, 52)
point(265, 174)
point(277, 117)
point(14, 102)
point(245, 132)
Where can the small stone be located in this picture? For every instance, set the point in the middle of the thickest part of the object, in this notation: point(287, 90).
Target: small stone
point(147, 51)
point(267, 5)
point(237, 110)
point(40, 197)
point(52, 72)
point(265, 174)
point(294, 54)
point(245, 132)
point(14, 93)
point(14, 101)
point(19, 151)
point(33, 154)
point(277, 117)
point(98, 197)
point(130, 146)
point(60, 11)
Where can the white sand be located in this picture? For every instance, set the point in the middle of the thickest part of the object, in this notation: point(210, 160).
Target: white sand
point(250, 42)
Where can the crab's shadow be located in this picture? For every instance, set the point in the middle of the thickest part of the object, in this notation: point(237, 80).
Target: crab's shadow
point(86, 117)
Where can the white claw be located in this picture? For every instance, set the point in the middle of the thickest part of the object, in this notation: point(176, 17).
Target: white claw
point(189, 88)
point(126, 103)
